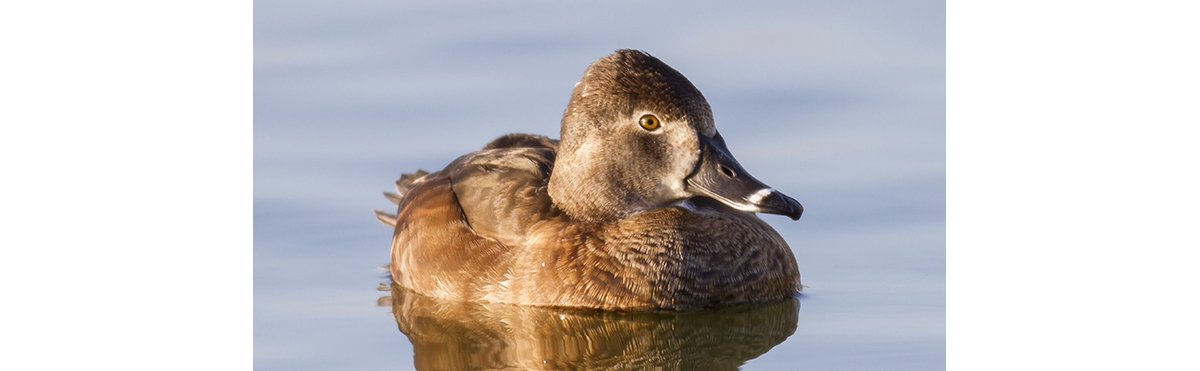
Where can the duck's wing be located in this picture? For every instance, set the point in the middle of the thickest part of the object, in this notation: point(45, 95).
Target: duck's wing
point(502, 191)
point(455, 228)
point(468, 166)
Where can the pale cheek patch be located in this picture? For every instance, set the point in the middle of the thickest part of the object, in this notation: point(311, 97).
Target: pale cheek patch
point(684, 155)
point(758, 196)
point(676, 179)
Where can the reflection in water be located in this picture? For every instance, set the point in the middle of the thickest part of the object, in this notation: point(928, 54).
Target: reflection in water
point(472, 336)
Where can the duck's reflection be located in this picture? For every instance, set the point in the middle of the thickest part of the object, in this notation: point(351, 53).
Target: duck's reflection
point(472, 336)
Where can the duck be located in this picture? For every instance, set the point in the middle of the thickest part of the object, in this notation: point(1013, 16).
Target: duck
point(639, 205)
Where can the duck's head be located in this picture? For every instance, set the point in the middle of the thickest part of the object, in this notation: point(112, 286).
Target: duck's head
point(638, 135)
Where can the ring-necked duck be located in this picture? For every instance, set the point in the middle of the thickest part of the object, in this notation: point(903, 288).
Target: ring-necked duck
point(640, 205)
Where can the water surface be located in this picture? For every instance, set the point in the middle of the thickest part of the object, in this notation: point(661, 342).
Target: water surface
point(840, 105)
point(486, 336)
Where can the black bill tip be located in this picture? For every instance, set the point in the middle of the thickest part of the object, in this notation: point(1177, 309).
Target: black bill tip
point(774, 202)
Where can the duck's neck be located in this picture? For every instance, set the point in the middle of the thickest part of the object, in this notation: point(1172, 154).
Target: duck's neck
point(587, 187)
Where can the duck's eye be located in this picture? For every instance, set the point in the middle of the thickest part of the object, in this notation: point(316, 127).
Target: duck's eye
point(649, 122)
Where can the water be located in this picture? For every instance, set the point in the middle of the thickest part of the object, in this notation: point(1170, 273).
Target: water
point(840, 105)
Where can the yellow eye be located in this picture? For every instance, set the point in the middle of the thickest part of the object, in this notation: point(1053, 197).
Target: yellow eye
point(649, 122)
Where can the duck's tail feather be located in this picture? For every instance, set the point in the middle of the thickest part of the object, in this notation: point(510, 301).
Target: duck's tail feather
point(405, 183)
point(385, 218)
point(394, 198)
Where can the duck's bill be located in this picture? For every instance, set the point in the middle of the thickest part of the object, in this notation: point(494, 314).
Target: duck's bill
point(719, 176)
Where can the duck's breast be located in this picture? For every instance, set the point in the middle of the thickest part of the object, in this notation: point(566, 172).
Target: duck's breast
point(670, 258)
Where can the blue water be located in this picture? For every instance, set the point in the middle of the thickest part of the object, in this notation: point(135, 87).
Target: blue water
point(838, 104)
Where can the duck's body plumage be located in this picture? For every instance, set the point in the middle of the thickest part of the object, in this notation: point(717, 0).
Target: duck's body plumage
point(534, 221)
